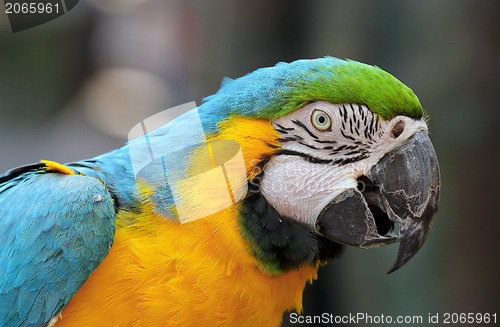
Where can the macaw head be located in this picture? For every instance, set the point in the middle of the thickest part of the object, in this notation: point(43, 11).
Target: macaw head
point(334, 152)
point(351, 161)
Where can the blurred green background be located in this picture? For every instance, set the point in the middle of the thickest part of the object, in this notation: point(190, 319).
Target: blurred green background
point(72, 89)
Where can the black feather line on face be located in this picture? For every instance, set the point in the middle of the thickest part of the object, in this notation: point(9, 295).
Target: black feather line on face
point(281, 131)
point(345, 113)
point(345, 161)
point(347, 136)
point(325, 141)
point(272, 146)
point(285, 128)
point(289, 139)
point(303, 155)
point(304, 127)
point(353, 114)
point(309, 146)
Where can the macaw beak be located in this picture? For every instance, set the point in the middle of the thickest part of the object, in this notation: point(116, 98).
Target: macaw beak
point(402, 188)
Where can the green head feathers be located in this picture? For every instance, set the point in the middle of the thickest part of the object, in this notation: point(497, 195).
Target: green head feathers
point(276, 91)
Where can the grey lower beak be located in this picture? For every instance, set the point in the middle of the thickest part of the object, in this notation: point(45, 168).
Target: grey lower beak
point(402, 188)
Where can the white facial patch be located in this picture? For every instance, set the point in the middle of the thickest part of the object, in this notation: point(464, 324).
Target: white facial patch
point(322, 156)
point(299, 190)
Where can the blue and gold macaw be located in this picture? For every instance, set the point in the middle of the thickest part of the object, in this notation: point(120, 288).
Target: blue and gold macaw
point(221, 216)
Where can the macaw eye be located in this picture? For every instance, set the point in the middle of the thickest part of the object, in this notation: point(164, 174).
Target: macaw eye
point(320, 120)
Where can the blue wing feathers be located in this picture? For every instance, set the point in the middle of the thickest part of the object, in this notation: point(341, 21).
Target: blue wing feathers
point(55, 229)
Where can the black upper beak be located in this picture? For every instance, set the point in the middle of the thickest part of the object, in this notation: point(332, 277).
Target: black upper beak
point(402, 188)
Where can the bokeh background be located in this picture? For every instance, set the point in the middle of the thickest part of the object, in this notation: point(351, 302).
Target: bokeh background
point(72, 89)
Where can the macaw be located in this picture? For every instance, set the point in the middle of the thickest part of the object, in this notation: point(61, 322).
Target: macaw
point(314, 154)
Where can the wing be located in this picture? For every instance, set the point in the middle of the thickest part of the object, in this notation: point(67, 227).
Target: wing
point(55, 229)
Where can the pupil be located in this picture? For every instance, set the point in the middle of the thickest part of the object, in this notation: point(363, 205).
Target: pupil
point(321, 119)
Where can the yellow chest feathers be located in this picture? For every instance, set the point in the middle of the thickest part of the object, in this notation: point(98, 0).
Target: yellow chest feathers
point(196, 274)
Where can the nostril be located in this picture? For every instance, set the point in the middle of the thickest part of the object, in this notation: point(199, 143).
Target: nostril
point(398, 129)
